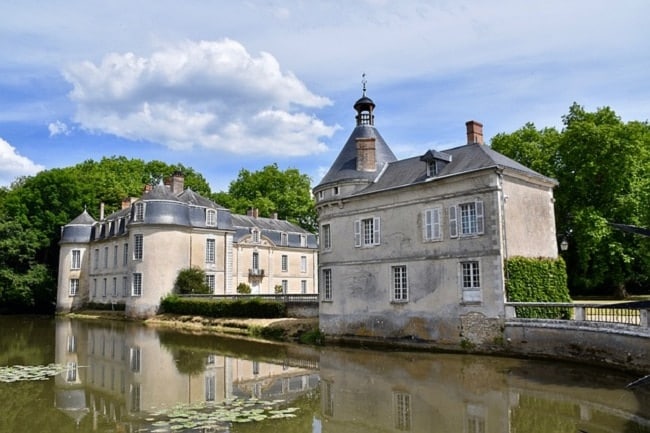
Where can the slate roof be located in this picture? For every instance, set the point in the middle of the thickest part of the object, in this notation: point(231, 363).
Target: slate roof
point(467, 158)
point(272, 229)
point(345, 165)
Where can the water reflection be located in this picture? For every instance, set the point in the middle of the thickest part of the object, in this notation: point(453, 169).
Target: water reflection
point(116, 371)
point(119, 372)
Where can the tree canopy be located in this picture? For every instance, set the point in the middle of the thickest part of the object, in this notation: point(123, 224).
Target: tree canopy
point(602, 165)
point(271, 190)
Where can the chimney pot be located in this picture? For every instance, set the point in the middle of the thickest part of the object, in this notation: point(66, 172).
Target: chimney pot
point(474, 132)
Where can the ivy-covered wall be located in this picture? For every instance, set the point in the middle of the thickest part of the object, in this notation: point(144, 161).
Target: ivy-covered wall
point(537, 280)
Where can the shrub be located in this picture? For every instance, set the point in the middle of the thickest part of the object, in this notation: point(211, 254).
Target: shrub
point(243, 289)
point(537, 280)
point(247, 308)
point(191, 280)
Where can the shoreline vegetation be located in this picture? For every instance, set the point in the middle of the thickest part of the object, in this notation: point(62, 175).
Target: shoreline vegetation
point(284, 329)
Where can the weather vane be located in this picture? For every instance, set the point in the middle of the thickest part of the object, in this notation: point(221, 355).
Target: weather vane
point(364, 81)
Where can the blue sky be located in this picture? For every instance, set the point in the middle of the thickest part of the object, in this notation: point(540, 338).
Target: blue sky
point(222, 85)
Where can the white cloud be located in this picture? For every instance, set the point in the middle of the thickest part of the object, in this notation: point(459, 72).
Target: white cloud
point(13, 165)
point(212, 94)
point(58, 128)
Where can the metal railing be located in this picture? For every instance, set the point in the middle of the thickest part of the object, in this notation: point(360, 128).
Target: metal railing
point(623, 313)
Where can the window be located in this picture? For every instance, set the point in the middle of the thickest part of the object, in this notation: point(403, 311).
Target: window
point(256, 261)
point(285, 286)
point(303, 240)
point(475, 420)
point(139, 212)
point(74, 286)
point(139, 245)
point(256, 367)
point(71, 344)
point(327, 398)
point(284, 239)
point(96, 259)
point(466, 219)
point(327, 284)
point(125, 255)
point(400, 283)
point(76, 259)
point(135, 360)
point(303, 263)
point(71, 372)
point(285, 263)
point(125, 286)
point(303, 286)
point(210, 217)
point(115, 256)
point(209, 250)
point(135, 397)
point(320, 195)
point(432, 231)
point(256, 236)
point(94, 287)
point(136, 290)
point(366, 232)
point(209, 281)
point(402, 407)
point(336, 190)
point(471, 281)
point(210, 387)
point(432, 168)
point(105, 257)
point(115, 287)
point(326, 236)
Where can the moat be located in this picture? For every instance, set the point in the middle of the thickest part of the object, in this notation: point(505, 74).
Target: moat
point(126, 377)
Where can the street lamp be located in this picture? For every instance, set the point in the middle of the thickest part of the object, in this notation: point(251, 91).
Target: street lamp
point(564, 245)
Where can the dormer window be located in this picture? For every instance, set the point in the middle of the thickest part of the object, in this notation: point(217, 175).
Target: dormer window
point(210, 217)
point(284, 239)
point(336, 190)
point(138, 215)
point(435, 161)
point(256, 236)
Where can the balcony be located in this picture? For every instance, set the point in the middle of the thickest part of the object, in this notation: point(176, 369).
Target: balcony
point(256, 272)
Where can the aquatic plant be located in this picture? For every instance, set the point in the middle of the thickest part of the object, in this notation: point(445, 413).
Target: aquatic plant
point(17, 373)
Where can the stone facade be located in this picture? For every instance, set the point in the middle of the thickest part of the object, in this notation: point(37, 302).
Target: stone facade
point(133, 256)
point(414, 249)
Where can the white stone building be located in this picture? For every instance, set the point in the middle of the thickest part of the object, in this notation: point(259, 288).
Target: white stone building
point(414, 249)
point(133, 256)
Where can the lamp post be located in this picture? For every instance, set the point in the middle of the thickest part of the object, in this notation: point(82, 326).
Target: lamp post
point(564, 245)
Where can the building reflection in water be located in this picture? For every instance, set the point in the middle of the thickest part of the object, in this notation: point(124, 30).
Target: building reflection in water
point(116, 371)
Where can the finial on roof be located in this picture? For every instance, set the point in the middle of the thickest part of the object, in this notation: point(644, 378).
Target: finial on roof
point(364, 81)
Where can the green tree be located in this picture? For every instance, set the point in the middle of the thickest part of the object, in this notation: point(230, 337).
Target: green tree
point(602, 165)
point(191, 280)
point(271, 190)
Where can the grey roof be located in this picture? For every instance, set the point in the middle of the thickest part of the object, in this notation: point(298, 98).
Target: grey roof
point(345, 165)
point(272, 229)
point(467, 158)
point(78, 230)
point(190, 197)
point(83, 218)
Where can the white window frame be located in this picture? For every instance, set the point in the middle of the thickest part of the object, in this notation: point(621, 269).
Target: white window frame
point(115, 287)
point(105, 257)
point(256, 236)
point(210, 217)
point(74, 287)
point(432, 224)
point(303, 286)
point(125, 286)
point(125, 256)
point(303, 264)
point(210, 250)
point(367, 232)
point(327, 284)
point(96, 259)
point(136, 284)
point(210, 282)
point(138, 250)
point(402, 411)
point(399, 283)
point(285, 287)
point(285, 263)
point(105, 288)
point(303, 240)
point(115, 253)
point(470, 281)
point(138, 215)
point(255, 261)
point(326, 233)
point(284, 239)
point(75, 259)
point(466, 219)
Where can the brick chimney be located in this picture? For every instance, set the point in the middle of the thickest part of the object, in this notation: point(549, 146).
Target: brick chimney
point(178, 182)
point(474, 132)
point(366, 160)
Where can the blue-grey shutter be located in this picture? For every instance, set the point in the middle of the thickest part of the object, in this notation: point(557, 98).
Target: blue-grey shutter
point(357, 233)
point(453, 223)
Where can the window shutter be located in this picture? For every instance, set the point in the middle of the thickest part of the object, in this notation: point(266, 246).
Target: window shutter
point(479, 217)
point(435, 224)
point(453, 224)
point(376, 234)
point(426, 225)
point(357, 233)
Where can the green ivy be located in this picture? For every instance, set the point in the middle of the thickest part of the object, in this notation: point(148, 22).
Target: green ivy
point(247, 308)
point(537, 280)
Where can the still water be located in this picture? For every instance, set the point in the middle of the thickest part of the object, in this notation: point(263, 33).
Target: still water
point(124, 377)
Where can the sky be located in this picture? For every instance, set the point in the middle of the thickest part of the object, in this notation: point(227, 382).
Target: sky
point(221, 86)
